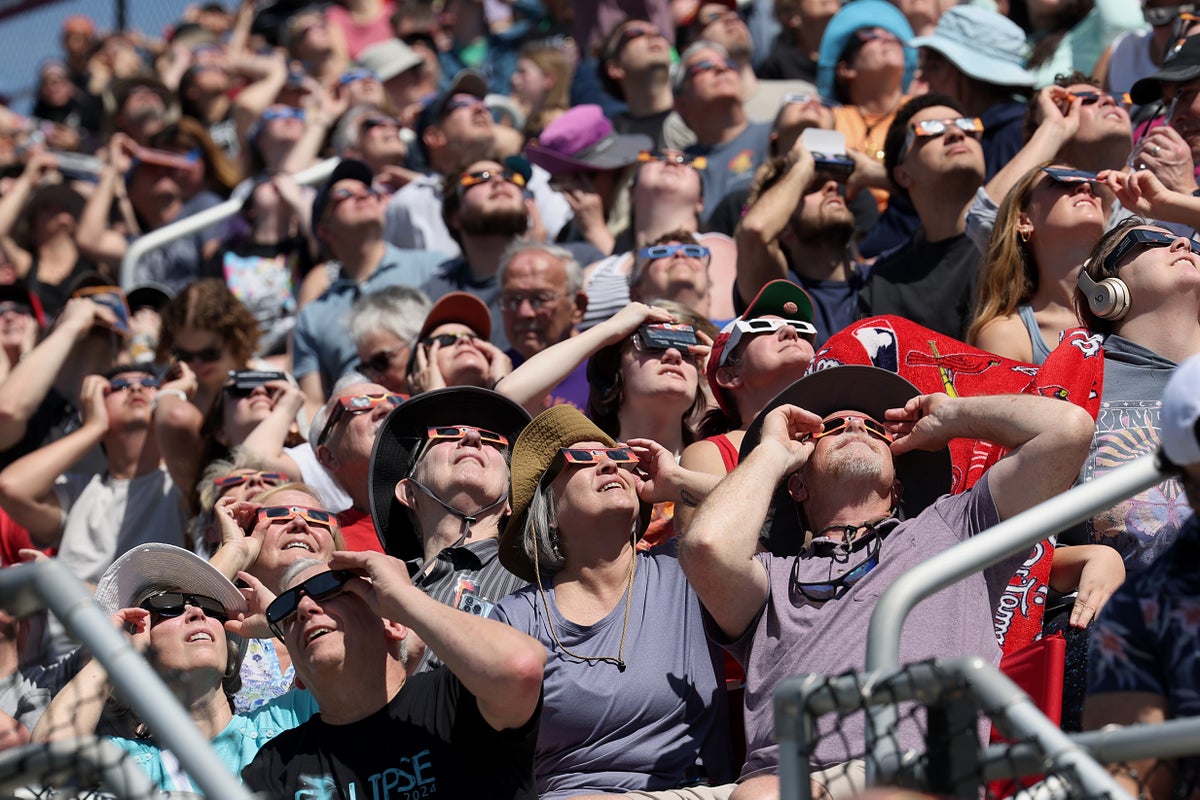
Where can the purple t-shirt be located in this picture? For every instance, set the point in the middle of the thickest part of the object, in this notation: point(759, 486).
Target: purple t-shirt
point(572, 390)
point(795, 636)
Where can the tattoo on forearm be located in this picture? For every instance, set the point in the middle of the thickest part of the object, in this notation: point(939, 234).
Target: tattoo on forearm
point(688, 498)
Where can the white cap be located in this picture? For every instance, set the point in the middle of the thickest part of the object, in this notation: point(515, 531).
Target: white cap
point(1180, 412)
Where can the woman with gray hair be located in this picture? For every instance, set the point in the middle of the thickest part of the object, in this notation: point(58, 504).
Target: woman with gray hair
point(634, 693)
point(384, 326)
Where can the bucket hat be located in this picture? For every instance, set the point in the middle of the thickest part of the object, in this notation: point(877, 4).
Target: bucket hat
point(981, 44)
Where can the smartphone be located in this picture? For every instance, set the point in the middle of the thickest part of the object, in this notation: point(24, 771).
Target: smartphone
point(662, 336)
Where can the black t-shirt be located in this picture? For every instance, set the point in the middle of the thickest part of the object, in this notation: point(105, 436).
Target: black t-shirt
point(428, 741)
point(930, 283)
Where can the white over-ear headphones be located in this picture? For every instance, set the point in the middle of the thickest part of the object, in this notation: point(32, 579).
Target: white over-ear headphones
point(1108, 299)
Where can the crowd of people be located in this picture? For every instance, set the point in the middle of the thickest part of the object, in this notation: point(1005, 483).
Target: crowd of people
point(563, 377)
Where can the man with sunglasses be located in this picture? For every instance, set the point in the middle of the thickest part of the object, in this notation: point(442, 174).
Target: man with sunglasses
point(466, 729)
point(439, 494)
point(347, 219)
point(1172, 150)
point(851, 449)
point(93, 517)
point(934, 159)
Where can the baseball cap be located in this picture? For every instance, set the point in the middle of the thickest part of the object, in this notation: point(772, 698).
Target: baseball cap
point(1181, 413)
point(347, 170)
point(1183, 66)
point(463, 308)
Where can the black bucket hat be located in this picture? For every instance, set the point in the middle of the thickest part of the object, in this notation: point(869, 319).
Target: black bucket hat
point(401, 438)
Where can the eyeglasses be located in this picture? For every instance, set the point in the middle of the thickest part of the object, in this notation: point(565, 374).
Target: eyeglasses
point(454, 433)
point(319, 587)
point(356, 75)
point(1141, 237)
point(380, 362)
point(282, 112)
point(12, 307)
point(537, 301)
point(316, 516)
point(209, 355)
point(578, 456)
point(710, 65)
point(804, 98)
point(448, 339)
point(460, 101)
point(126, 384)
point(838, 425)
point(819, 592)
point(1158, 17)
point(931, 128)
point(469, 179)
point(1069, 176)
point(659, 251)
point(355, 404)
point(773, 324)
point(266, 478)
point(630, 33)
point(167, 605)
point(672, 157)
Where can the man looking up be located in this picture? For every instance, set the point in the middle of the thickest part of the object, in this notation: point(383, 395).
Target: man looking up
point(635, 68)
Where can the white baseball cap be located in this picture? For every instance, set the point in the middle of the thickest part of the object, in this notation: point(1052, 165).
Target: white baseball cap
point(1181, 412)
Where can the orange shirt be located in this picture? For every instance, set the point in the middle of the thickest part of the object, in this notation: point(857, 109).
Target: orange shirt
point(865, 133)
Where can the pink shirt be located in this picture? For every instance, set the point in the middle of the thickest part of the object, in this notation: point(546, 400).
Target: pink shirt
point(360, 36)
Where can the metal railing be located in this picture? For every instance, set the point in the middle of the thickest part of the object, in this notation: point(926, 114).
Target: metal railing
point(200, 220)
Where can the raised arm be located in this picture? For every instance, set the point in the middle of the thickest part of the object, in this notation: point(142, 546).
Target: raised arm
point(1048, 439)
point(759, 257)
point(13, 202)
point(501, 666)
point(266, 442)
point(1055, 130)
point(717, 549)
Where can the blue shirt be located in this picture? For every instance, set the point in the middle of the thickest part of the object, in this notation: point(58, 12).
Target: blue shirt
point(321, 340)
point(731, 165)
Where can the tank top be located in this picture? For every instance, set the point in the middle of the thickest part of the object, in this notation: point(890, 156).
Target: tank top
point(1040, 350)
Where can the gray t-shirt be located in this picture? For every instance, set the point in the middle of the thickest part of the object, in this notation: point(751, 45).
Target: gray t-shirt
point(795, 636)
point(661, 722)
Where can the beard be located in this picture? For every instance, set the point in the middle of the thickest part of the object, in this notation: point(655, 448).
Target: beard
point(845, 465)
point(833, 228)
point(508, 222)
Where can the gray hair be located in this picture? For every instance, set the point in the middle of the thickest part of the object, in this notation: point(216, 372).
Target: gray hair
point(349, 379)
point(679, 75)
point(295, 568)
point(206, 490)
point(399, 310)
point(540, 520)
point(527, 245)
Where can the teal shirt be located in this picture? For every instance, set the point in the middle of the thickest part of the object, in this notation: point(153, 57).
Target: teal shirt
point(236, 745)
point(1083, 45)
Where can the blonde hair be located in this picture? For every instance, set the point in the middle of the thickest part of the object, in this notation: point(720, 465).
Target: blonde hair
point(339, 541)
point(556, 62)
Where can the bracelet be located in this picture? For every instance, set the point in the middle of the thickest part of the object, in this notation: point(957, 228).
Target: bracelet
point(182, 395)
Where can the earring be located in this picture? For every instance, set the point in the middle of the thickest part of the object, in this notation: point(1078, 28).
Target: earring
point(1025, 235)
point(554, 543)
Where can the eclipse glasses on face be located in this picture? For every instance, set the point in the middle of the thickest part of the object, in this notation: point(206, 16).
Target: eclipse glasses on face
point(319, 587)
point(932, 128)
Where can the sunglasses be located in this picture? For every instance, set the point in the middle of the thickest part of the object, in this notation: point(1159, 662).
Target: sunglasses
point(168, 605)
point(864, 35)
point(659, 251)
point(773, 324)
point(1069, 176)
point(932, 128)
point(10, 307)
point(316, 516)
point(537, 301)
point(356, 75)
point(1158, 17)
point(469, 179)
point(716, 15)
point(804, 98)
point(579, 456)
point(209, 355)
point(455, 433)
point(370, 123)
point(671, 157)
point(355, 404)
point(342, 194)
point(448, 339)
point(819, 592)
point(630, 33)
point(460, 101)
point(319, 587)
point(267, 478)
point(126, 384)
point(380, 362)
point(420, 38)
point(1138, 238)
point(838, 425)
point(282, 112)
point(710, 65)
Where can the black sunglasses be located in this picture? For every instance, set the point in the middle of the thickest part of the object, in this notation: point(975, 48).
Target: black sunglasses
point(1138, 238)
point(167, 605)
point(448, 339)
point(321, 586)
point(209, 355)
point(819, 592)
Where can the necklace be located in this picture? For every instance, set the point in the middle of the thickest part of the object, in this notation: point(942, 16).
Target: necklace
point(618, 661)
point(871, 146)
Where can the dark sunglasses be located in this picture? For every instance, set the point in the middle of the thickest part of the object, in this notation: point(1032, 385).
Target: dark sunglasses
point(356, 75)
point(342, 194)
point(839, 424)
point(672, 157)
point(370, 123)
point(1069, 176)
point(456, 433)
point(710, 64)
point(167, 605)
point(239, 392)
point(209, 355)
point(460, 101)
point(380, 362)
point(630, 33)
point(819, 592)
point(355, 404)
point(267, 478)
point(420, 38)
point(126, 384)
point(316, 516)
point(469, 179)
point(319, 587)
point(11, 307)
point(1157, 17)
point(658, 251)
point(1139, 238)
point(448, 339)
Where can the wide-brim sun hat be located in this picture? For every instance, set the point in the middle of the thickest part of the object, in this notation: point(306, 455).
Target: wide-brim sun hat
point(1183, 66)
point(389, 58)
point(582, 139)
point(533, 453)
point(924, 475)
point(854, 16)
point(400, 440)
point(981, 44)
